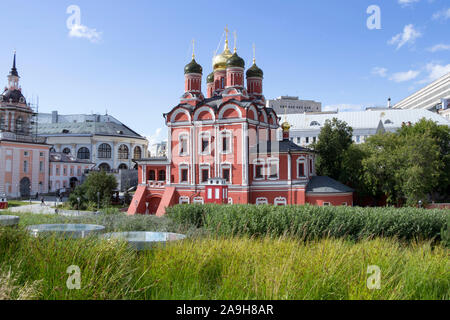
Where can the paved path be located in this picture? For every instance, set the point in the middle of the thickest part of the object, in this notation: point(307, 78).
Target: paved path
point(37, 208)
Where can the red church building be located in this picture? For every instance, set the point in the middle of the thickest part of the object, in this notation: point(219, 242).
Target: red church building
point(228, 142)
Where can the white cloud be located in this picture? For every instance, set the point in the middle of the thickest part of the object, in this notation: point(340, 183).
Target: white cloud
point(343, 107)
point(404, 76)
point(154, 138)
point(443, 14)
point(379, 71)
point(80, 31)
point(435, 71)
point(407, 2)
point(408, 36)
point(439, 47)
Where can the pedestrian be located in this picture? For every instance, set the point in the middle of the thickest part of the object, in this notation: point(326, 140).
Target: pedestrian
point(37, 195)
point(42, 201)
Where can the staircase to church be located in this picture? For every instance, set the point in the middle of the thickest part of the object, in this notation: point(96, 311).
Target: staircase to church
point(138, 204)
point(167, 200)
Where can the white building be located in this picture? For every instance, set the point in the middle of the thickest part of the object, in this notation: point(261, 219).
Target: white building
point(434, 97)
point(158, 149)
point(306, 127)
point(66, 171)
point(292, 105)
point(101, 139)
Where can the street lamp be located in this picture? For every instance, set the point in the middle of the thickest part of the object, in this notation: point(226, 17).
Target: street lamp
point(420, 203)
point(78, 199)
point(98, 200)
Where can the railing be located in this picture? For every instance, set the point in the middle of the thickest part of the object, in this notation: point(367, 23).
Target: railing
point(156, 184)
point(21, 137)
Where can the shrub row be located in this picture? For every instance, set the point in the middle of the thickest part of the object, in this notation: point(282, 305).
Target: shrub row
point(312, 222)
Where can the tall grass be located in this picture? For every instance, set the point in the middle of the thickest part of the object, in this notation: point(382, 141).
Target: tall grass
point(313, 222)
point(223, 268)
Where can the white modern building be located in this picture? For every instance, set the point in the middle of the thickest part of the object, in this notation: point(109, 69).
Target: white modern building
point(100, 139)
point(292, 105)
point(434, 97)
point(158, 149)
point(306, 127)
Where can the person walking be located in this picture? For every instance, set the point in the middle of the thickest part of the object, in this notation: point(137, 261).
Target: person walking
point(42, 201)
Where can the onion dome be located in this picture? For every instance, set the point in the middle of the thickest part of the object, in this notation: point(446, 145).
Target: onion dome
point(193, 67)
point(210, 78)
point(220, 61)
point(254, 71)
point(285, 126)
point(235, 61)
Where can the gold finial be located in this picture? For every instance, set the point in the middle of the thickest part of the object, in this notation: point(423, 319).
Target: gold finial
point(193, 49)
point(235, 40)
point(285, 125)
point(254, 54)
point(226, 37)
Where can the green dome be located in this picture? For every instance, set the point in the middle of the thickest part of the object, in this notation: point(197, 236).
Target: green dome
point(193, 67)
point(210, 78)
point(254, 71)
point(235, 61)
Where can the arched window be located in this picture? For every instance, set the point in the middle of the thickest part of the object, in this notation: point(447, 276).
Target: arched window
point(123, 152)
point(104, 167)
point(66, 151)
point(151, 175)
point(162, 175)
point(123, 166)
point(19, 125)
point(104, 151)
point(52, 149)
point(137, 153)
point(84, 154)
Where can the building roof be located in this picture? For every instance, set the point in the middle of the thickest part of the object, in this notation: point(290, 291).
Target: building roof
point(86, 128)
point(278, 146)
point(319, 184)
point(391, 118)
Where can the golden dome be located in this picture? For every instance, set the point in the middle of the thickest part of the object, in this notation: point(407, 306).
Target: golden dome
point(285, 126)
point(220, 61)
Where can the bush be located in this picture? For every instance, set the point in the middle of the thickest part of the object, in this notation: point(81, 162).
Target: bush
point(312, 222)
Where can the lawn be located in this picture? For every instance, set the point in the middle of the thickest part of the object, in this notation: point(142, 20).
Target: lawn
point(211, 266)
point(17, 203)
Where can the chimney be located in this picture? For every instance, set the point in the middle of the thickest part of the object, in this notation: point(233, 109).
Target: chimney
point(54, 116)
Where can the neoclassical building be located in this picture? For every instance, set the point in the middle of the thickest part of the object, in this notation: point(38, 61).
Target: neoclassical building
point(230, 137)
point(24, 158)
point(100, 139)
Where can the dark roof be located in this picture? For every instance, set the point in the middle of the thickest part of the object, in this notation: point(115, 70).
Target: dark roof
point(235, 61)
point(13, 95)
point(319, 184)
point(278, 146)
point(193, 67)
point(87, 128)
point(254, 71)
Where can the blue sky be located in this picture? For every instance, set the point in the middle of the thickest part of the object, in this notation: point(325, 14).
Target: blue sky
point(128, 56)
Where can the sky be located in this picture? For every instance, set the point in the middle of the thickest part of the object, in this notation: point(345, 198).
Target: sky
point(126, 58)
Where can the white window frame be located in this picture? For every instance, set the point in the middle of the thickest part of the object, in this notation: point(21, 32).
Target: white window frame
point(228, 134)
point(261, 200)
point(204, 166)
point(344, 204)
point(198, 200)
point(280, 201)
point(183, 200)
point(263, 171)
point(180, 138)
point(270, 163)
point(180, 168)
point(230, 200)
point(226, 165)
point(202, 135)
point(326, 204)
point(305, 168)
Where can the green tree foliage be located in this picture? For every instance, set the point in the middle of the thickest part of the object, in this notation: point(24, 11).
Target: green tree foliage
point(334, 139)
point(405, 166)
point(97, 182)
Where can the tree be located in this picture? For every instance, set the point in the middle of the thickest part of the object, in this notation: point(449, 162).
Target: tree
point(404, 167)
point(97, 182)
point(334, 140)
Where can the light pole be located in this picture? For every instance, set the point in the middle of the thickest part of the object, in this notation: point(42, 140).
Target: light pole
point(98, 200)
point(78, 199)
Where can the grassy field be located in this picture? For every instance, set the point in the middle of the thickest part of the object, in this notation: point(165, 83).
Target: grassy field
point(207, 266)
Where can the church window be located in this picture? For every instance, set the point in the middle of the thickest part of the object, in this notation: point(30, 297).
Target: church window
point(66, 151)
point(123, 152)
point(84, 154)
point(161, 175)
point(104, 151)
point(137, 153)
point(151, 175)
point(184, 145)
